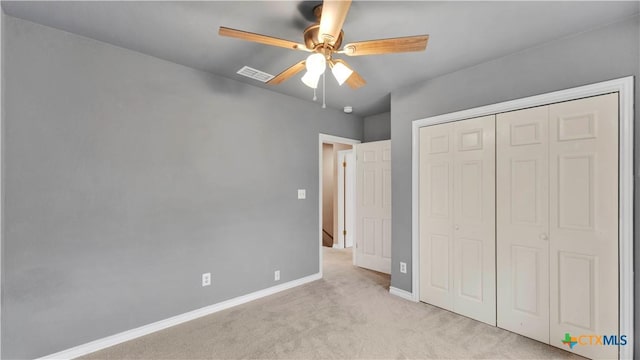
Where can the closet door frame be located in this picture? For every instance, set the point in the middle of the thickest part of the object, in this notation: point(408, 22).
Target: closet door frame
point(624, 88)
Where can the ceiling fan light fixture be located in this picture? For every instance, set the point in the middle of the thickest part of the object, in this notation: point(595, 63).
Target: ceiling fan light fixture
point(311, 79)
point(340, 72)
point(316, 63)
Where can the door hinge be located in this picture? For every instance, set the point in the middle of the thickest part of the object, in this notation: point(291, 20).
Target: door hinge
point(344, 164)
point(344, 232)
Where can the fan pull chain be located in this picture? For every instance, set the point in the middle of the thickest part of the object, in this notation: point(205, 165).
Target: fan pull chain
point(324, 105)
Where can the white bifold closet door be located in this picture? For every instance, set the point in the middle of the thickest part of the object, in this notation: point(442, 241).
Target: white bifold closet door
point(583, 169)
point(457, 217)
point(557, 223)
point(522, 173)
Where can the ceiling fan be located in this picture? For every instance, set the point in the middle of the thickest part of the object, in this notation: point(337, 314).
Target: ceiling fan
point(324, 39)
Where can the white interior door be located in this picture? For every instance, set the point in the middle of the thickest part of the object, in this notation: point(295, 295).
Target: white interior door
point(584, 223)
point(373, 206)
point(346, 197)
point(436, 215)
point(474, 209)
point(457, 217)
point(522, 173)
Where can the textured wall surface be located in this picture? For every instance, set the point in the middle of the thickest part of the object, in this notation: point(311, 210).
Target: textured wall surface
point(377, 127)
point(127, 177)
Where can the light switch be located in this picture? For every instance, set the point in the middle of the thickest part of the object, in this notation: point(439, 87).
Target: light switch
point(302, 194)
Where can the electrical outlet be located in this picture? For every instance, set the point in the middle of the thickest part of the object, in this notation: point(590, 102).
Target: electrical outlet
point(276, 275)
point(206, 279)
point(403, 267)
point(302, 194)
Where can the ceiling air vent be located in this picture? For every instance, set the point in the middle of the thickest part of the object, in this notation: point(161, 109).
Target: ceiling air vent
point(255, 74)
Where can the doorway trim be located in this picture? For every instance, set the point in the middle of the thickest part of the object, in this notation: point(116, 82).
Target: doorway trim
point(2, 163)
point(326, 139)
point(346, 188)
point(624, 87)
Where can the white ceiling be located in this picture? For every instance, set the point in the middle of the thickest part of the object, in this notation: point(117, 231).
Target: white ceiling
point(462, 34)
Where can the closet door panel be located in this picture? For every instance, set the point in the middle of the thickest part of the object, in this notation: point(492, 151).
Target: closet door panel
point(523, 222)
point(436, 215)
point(474, 218)
point(584, 226)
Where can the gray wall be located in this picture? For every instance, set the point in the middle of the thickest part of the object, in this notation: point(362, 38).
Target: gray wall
point(607, 53)
point(127, 177)
point(377, 127)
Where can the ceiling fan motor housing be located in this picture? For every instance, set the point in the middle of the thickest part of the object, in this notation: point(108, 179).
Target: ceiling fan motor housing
point(312, 42)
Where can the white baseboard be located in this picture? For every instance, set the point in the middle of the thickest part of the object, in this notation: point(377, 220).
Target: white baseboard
point(338, 246)
point(175, 320)
point(401, 293)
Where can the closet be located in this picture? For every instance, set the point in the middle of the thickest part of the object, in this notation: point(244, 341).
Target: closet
point(518, 220)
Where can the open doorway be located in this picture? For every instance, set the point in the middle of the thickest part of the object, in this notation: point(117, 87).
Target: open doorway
point(337, 192)
point(334, 191)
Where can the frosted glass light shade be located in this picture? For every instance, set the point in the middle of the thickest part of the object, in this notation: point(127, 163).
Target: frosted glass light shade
point(316, 63)
point(341, 72)
point(311, 79)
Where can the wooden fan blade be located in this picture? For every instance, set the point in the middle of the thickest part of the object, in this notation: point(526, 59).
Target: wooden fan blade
point(285, 75)
point(334, 12)
point(355, 80)
point(262, 39)
point(386, 46)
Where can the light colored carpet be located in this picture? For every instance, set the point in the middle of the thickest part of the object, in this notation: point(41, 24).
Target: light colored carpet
point(348, 314)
